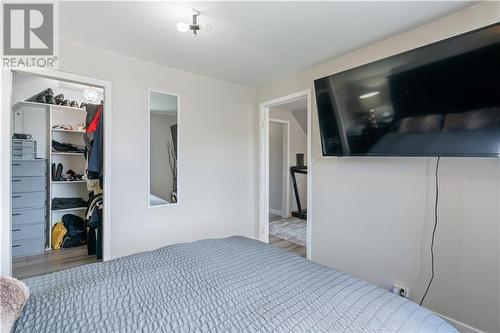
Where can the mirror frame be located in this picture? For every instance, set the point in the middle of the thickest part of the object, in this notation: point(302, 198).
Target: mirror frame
point(149, 147)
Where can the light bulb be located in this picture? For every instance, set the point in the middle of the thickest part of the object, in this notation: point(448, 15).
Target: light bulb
point(90, 95)
point(182, 26)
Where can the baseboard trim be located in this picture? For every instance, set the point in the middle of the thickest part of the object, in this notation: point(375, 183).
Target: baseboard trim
point(276, 212)
point(461, 327)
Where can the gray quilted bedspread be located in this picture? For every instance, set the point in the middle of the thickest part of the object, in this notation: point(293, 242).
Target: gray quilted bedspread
point(227, 285)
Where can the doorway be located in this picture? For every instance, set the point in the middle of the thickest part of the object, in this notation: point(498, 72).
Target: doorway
point(56, 216)
point(284, 218)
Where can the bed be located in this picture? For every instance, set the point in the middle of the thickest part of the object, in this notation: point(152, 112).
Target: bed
point(233, 284)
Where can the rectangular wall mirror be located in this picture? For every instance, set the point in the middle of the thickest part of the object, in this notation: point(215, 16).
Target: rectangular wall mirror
point(163, 155)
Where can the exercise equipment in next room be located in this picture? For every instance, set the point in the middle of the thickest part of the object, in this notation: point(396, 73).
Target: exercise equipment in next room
point(301, 169)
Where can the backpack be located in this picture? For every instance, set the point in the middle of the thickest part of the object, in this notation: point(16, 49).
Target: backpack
point(58, 233)
point(76, 231)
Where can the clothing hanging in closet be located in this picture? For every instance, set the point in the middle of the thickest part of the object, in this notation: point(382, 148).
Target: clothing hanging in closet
point(94, 221)
point(94, 176)
point(94, 141)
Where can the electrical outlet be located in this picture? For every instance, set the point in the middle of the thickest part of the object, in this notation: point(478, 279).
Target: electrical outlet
point(400, 291)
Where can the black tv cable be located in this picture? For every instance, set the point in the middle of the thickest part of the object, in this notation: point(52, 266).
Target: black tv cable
point(436, 201)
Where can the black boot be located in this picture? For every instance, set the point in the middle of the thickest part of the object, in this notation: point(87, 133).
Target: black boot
point(53, 171)
point(59, 172)
point(49, 99)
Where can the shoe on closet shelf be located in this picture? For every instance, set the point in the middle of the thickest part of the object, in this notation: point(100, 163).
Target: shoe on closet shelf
point(74, 104)
point(49, 99)
point(64, 127)
point(57, 175)
point(41, 99)
point(56, 172)
point(59, 99)
point(41, 96)
point(53, 172)
point(72, 176)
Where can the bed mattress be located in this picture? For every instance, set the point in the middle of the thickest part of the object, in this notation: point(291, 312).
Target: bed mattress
point(227, 285)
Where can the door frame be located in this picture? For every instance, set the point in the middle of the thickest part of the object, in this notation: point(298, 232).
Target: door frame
point(285, 199)
point(5, 164)
point(263, 223)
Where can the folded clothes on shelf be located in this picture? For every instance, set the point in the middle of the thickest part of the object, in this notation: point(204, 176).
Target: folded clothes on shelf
point(67, 147)
point(67, 203)
point(22, 136)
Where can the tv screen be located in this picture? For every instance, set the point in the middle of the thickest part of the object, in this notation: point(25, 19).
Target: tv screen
point(442, 99)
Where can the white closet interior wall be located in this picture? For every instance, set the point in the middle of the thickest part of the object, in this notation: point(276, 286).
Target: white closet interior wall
point(25, 86)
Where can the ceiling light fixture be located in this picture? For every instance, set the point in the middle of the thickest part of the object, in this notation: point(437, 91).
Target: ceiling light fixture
point(182, 26)
point(194, 27)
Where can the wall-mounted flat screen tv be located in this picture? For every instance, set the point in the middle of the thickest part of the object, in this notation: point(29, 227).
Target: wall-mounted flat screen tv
point(442, 99)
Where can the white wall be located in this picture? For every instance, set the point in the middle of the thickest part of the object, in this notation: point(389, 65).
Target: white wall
point(161, 177)
point(301, 117)
point(298, 144)
point(276, 167)
point(373, 216)
point(217, 152)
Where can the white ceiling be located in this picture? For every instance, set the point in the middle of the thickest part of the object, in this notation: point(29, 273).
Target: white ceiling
point(249, 43)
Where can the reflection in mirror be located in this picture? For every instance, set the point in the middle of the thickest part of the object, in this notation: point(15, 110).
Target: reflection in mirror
point(163, 116)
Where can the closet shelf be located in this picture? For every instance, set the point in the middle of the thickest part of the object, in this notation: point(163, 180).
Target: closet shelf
point(63, 153)
point(21, 104)
point(67, 181)
point(68, 131)
point(68, 108)
point(68, 209)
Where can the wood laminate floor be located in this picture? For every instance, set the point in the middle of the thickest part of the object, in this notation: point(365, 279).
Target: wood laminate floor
point(284, 244)
point(51, 261)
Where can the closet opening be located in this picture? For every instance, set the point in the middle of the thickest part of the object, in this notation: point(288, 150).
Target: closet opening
point(57, 174)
